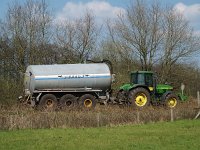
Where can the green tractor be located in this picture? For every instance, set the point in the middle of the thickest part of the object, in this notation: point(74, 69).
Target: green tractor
point(143, 91)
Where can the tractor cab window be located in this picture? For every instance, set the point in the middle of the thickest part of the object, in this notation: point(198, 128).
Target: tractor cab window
point(142, 78)
point(149, 79)
point(137, 78)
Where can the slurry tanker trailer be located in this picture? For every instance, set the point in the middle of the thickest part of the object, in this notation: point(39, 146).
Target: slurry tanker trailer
point(84, 85)
point(67, 85)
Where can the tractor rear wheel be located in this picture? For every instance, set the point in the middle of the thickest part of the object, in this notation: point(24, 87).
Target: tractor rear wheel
point(88, 101)
point(171, 100)
point(140, 97)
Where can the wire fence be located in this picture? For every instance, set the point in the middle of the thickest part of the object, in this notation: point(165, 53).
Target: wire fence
point(21, 117)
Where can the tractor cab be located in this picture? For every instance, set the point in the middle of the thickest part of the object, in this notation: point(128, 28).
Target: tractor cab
point(144, 78)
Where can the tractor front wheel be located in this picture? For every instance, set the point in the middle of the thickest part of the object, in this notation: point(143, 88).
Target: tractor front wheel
point(140, 97)
point(171, 100)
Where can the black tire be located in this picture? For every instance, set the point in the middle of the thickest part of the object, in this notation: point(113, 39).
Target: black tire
point(122, 100)
point(68, 101)
point(121, 97)
point(171, 100)
point(88, 101)
point(48, 102)
point(140, 97)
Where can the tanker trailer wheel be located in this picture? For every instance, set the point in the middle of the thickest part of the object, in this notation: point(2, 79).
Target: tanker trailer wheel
point(139, 97)
point(48, 102)
point(68, 101)
point(171, 100)
point(88, 101)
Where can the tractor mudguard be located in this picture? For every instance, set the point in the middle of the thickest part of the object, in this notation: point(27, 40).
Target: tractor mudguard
point(182, 97)
point(163, 97)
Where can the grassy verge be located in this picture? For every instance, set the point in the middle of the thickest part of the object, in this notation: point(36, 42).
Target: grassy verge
point(23, 117)
point(181, 135)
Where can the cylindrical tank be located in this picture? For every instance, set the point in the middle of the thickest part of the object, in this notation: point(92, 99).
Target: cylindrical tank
point(95, 76)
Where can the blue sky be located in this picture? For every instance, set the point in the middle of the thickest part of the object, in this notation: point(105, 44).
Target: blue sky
point(104, 9)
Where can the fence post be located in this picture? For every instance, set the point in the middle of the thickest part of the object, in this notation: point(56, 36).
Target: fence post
point(138, 116)
point(198, 99)
point(98, 119)
point(172, 114)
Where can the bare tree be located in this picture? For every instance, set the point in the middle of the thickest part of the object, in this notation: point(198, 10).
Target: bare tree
point(138, 30)
point(178, 42)
point(65, 38)
point(156, 36)
point(27, 30)
point(77, 38)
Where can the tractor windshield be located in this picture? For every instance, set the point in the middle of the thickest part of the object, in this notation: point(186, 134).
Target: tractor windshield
point(137, 78)
point(142, 78)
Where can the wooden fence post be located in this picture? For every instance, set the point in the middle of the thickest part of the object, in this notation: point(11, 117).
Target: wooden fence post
point(198, 101)
point(172, 114)
point(98, 119)
point(138, 116)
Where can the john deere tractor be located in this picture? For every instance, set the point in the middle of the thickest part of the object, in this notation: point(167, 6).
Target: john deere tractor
point(143, 91)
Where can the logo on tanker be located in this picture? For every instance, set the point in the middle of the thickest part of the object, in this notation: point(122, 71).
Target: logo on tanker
point(77, 76)
point(82, 76)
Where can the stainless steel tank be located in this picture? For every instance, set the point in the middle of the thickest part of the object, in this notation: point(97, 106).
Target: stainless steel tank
point(94, 76)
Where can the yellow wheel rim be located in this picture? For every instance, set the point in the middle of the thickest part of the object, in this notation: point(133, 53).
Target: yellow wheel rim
point(140, 99)
point(88, 103)
point(172, 102)
point(49, 103)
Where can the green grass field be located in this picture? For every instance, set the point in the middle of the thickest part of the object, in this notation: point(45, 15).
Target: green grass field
point(176, 135)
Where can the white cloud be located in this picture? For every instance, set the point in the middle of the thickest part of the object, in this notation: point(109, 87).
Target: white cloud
point(100, 9)
point(197, 33)
point(191, 13)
